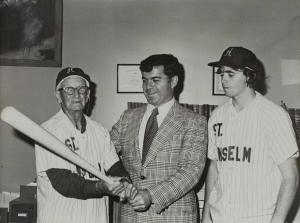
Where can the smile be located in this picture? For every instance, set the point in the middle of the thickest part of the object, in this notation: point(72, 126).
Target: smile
point(151, 94)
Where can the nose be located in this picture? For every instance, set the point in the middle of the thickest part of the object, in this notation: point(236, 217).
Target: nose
point(76, 92)
point(224, 78)
point(148, 84)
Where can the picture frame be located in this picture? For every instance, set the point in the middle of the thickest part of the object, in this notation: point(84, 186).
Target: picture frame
point(129, 78)
point(217, 88)
point(31, 33)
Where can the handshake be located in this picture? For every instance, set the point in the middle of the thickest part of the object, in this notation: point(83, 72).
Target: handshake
point(140, 200)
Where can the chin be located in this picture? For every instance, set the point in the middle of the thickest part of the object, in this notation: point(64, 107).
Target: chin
point(151, 100)
point(77, 108)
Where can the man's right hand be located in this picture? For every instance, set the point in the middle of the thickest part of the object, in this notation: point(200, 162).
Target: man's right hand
point(119, 187)
point(129, 192)
point(114, 188)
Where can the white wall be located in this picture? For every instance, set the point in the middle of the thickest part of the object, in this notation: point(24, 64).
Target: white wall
point(97, 35)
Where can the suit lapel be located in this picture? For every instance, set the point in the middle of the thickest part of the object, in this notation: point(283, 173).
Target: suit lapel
point(170, 125)
point(133, 132)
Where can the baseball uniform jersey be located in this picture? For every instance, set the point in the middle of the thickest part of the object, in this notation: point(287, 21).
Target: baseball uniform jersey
point(248, 146)
point(94, 146)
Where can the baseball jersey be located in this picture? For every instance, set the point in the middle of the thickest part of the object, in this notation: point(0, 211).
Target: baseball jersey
point(94, 146)
point(248, 146)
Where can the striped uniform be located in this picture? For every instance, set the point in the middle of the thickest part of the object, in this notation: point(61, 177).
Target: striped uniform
point(248, 146)
point(95, 147)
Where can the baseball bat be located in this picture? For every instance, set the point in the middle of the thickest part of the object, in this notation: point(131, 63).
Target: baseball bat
point(19, 121)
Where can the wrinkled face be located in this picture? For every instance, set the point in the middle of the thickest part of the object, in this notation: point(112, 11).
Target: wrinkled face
point(73, 94)
point(158, 88)
point(233, 81)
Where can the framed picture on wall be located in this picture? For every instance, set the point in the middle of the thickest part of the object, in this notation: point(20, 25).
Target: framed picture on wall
point(217, 88)
point(31, 33)
point(129, 78)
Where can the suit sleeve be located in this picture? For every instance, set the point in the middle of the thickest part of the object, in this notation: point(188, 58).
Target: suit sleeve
point(189, 169)
point(115, 134)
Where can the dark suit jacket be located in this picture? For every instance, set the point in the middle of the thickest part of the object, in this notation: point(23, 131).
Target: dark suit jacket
point(173, 165)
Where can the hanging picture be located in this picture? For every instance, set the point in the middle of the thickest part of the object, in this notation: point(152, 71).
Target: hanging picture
point(129, 78)
point(31, 33)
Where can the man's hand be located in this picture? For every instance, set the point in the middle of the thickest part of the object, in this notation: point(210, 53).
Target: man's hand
point(142, 200)
point(128, 193)
point(114, 188)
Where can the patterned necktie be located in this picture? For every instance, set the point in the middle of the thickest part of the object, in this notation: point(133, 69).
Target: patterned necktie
point(150, 131)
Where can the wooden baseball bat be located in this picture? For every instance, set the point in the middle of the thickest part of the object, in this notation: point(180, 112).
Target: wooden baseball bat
point(25, 125)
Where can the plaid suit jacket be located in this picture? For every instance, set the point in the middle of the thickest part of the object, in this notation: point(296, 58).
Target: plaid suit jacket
point(173, 165)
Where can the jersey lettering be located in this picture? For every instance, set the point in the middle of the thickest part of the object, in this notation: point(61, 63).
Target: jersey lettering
point(217, 129)
point(234, 153)
point(81, 172)
point(71, 144)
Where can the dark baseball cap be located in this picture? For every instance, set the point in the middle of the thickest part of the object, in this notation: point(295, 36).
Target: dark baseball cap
point(71, 71)
point(237, 57)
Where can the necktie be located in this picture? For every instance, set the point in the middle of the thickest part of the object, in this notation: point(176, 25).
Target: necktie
point(150, 131)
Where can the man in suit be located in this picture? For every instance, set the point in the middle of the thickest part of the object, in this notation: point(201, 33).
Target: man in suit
point(166, 160)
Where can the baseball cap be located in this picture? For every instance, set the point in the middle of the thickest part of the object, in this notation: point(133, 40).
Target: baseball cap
point(237, 57)
point(71, 71)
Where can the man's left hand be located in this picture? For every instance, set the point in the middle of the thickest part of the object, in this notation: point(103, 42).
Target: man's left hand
point(128, 193)
point(142, 200)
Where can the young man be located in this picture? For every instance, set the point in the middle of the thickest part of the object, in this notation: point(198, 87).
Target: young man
point(166, 160)
point(67, 193)
point(253, 174)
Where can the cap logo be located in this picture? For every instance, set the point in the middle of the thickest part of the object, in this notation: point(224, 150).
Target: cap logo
point(70, 70)
point(228, 52)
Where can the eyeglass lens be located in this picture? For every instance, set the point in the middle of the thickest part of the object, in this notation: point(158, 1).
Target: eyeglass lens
point(71, 90)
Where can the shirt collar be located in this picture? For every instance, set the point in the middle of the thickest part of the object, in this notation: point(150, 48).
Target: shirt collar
point(162, 109)
point(257, 96)
point(83, 121)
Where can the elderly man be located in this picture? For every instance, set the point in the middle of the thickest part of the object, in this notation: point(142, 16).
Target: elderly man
point(163, 148)
point(67, 193)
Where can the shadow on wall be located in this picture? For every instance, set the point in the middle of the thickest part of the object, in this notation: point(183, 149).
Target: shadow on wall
point(288, 38)
point(92, 101)
point(24, 138)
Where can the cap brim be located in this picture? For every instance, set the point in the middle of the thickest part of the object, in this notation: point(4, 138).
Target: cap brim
point(73, 75)
point(214, 64)
point(223, 63)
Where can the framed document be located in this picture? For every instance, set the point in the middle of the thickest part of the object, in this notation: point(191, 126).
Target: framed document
point(129, 78)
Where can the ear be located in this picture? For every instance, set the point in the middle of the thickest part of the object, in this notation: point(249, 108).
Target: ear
point(88, 95)
point(58, 97)
point(174, 81)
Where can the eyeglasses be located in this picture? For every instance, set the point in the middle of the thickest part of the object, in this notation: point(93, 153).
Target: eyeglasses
point(71, 90)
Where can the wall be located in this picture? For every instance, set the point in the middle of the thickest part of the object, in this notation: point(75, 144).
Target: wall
point(97, 35)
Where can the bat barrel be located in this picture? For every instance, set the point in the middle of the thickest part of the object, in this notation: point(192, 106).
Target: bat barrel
point(19, 121)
